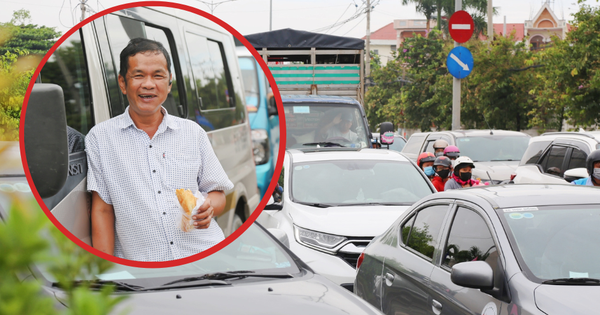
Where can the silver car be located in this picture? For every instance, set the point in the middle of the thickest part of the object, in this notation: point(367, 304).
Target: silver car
point(335, 200)
point(508, 249)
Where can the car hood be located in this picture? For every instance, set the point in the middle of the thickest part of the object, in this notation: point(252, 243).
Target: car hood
point(358, 221)
point(315, 295)
point(567, 299)
point(498, 170)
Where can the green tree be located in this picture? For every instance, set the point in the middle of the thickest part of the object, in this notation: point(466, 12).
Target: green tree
point(27, 38)
point(569, 85)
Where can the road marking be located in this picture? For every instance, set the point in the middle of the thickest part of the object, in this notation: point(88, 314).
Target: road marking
point(461, 26)
point(460, 63)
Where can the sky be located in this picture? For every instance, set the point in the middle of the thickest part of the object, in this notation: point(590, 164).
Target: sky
point(252, 16)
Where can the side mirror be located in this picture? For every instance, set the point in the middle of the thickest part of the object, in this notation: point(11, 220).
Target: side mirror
point(280, 235)
point(272, 105)
point(45, 138)
point(274, 206)
point(575, 173)
point(473, 274)
point(386, 132)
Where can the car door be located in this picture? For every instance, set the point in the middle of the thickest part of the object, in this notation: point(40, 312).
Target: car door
point(467, 238)
point(407, 270)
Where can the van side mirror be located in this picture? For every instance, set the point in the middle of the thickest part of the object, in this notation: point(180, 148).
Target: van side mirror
point(45, 138)
point(272, 105)
point(386, 133)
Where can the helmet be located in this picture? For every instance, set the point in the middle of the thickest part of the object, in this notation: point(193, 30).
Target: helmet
point(461, 162)
point(591, 159)
point(440, 144)
point(452, 151)
point(425, 157)
point(443, 161)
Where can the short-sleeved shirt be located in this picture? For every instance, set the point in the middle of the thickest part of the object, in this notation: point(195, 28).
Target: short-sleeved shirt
point(335, 133)
point(138, 177)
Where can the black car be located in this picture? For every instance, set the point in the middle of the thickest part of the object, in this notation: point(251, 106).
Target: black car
point(508, 249)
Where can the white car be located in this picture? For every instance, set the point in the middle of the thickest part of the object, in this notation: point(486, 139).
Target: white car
point(335, 200)
point(556, 157)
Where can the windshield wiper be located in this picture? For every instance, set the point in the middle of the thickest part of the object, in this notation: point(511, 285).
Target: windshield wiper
point(502, 160)
point(374, 204)
point(570, 281)
point(232, 274)
point(326, 144)
point(96, 284)
point(317, 205)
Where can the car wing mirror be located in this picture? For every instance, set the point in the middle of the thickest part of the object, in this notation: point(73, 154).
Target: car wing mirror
point(473, 274)
point(45, 138)
point(386, 133)
point(575, 173)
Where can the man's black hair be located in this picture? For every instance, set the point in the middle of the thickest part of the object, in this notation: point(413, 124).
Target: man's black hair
point(140, 45)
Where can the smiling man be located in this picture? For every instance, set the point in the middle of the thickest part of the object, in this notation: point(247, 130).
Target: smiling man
point(136, 161)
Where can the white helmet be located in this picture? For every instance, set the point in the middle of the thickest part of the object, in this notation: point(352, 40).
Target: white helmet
point(461, 162)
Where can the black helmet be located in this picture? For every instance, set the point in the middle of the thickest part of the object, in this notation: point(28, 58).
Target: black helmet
point(443, 161)
point(591, 159)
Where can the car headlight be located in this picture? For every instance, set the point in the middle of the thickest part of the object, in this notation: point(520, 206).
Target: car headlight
point(317, 239)
point(260, 146)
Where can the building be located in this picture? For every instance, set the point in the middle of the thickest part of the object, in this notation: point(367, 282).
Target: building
point(544, 25)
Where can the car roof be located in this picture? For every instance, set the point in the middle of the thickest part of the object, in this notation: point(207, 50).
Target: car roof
point(325, 154)
point(478, 133)
point(526, 195)
point(318, 99)
point(595, 135)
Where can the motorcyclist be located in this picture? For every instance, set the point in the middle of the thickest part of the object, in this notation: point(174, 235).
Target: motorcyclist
point(425, 162)
point(461, 176)
point(452, 152)
point(443, 168)
point(439, 146)
point(593, 167)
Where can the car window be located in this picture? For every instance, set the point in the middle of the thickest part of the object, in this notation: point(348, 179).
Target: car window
point(398, 144)
point(469, 240)
point(414, 144)
point(424, 233)
point(429, 146)
point(493, 147)
point(534, 152)
point(553, 160)
point(577, 159)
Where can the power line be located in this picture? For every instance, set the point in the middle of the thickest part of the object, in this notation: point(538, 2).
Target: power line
point(212, 5)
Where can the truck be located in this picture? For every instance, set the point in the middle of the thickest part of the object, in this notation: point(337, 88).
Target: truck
point(306, 63)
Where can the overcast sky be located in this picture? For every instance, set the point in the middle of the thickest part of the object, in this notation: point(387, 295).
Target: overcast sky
point(252, 16)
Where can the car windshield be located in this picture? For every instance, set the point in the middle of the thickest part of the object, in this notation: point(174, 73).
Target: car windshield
point(493, 148)
point(556, 242)
point(357, 182)
point(250, 78)
point(324, 125)
point(252, 251)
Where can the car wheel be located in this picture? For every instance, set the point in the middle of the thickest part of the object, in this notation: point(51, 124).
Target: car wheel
point(237, 222)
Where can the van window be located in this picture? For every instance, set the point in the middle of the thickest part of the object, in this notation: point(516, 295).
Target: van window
point(67, 68)
point(250, 78)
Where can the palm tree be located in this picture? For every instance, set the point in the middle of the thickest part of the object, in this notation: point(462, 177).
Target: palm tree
point(427, 7)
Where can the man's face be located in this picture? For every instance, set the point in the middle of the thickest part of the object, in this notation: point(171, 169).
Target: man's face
point(426, 164)
point(345, 125)
point(597, 164)
point(146, 82)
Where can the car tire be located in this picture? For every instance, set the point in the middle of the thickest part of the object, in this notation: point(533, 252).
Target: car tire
point(237, 223)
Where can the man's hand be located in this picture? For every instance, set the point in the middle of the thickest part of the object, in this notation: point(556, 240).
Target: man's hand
point(213, 206)
point(337, 119)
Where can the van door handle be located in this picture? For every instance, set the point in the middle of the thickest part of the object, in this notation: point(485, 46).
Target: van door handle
point(200, 102)
point(389, 279)
point(436, 307)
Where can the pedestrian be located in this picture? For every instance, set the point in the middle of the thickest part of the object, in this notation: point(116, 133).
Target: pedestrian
point(138, 159)
point(452, 152)
point(425, 162)
point(443, 168)
point(592, 164)
point(439, 146)
point(461, 176)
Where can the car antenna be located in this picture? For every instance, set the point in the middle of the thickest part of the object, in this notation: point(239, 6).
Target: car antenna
point(490, 177)
point(491, 132)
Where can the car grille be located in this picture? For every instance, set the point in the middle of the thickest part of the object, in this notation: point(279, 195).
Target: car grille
point(352, 257)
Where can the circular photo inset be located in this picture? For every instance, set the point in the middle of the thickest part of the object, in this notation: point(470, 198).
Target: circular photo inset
point(137, 135)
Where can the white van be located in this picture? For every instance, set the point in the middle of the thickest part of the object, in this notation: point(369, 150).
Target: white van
point(207, 89)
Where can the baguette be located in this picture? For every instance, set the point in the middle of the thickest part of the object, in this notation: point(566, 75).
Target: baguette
point(188, 203)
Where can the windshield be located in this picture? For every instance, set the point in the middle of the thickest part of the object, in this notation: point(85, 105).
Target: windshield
point(254, 250)
point(324, 125)
point(357, 182)
point(556, 242)
point(250, 78)
point(493, 148)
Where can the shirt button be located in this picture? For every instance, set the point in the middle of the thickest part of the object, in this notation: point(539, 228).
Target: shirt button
point(150, 146)
point(164, 213)
point(153, 171)
point(171, 243)
point(159, 191)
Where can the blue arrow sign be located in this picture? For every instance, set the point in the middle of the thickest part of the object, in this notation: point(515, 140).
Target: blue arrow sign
point(460, 62)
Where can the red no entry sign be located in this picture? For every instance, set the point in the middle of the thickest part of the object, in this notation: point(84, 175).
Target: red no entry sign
point(461, 26)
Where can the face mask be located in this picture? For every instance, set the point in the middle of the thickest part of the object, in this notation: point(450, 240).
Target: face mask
point(429, 171)
point(443, 173)
point(465, 176)
point(439, 154)
point(596, 173)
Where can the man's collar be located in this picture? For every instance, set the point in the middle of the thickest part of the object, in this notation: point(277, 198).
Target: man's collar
point(126, 120)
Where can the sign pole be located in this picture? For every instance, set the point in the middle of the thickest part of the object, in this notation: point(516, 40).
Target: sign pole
point(456, 86)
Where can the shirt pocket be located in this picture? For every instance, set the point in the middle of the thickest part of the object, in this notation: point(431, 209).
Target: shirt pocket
point(181, 171)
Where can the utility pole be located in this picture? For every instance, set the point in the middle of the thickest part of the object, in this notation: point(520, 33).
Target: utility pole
point(82, 5)
point(270, 15)
point(456, 85)
point(368, 65)
point(490, 14)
